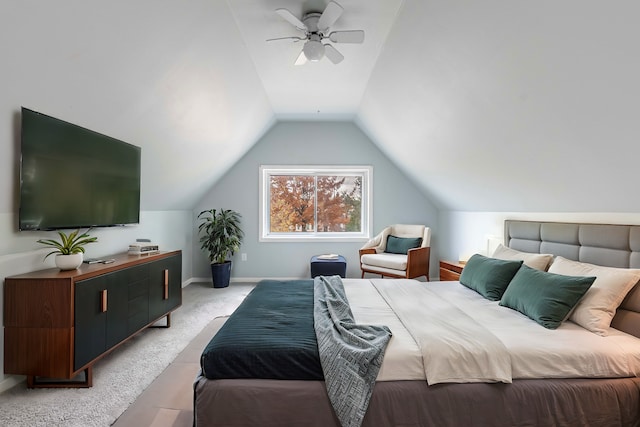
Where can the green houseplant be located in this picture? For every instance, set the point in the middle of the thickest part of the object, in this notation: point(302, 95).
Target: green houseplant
point(69, 249)
point(220, 237)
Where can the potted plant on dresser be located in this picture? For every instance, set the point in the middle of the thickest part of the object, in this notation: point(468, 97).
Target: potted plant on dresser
point(69, 249)
point(220, 237)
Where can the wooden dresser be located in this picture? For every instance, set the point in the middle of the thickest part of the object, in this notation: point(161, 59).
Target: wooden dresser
point(450, 270)
point(57, 324)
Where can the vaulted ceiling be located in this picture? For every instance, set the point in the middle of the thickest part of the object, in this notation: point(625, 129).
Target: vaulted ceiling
point(488, 106)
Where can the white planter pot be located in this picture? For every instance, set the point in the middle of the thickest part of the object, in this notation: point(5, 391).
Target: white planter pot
point(69, 262)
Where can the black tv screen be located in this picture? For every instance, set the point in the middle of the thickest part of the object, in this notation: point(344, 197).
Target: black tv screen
point(72, 177)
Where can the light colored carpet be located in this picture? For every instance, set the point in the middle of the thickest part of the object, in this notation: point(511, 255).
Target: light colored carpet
point(119, 378)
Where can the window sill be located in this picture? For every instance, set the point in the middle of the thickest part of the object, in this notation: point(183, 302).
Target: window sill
point(313, 238)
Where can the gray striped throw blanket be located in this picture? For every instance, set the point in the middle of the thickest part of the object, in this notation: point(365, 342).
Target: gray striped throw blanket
point(350, 354)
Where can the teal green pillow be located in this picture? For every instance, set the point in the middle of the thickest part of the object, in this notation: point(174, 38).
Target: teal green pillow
point(401, 245)
point(489, 276)
point(545, 297)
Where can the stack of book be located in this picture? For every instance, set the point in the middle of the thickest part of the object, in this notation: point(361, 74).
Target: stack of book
point(141, 248)
point(328, 256)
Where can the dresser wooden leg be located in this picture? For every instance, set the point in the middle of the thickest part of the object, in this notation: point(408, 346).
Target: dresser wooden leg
point(34, 382)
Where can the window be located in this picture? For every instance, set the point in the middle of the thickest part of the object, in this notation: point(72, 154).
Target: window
point(315, 203)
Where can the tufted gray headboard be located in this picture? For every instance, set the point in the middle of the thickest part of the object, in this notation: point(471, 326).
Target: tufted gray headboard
point(603, 244)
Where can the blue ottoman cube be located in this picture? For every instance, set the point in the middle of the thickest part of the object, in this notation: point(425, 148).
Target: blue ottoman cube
point(325, 265)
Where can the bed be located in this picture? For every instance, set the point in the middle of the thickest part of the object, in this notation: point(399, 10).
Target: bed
point(596, 386)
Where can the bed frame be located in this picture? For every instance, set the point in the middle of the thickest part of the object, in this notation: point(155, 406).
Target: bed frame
point(549, 402)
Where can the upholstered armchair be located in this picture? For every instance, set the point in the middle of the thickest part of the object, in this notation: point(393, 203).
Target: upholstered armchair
point(400, 250)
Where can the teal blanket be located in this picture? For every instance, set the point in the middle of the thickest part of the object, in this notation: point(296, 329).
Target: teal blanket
point(270, 335)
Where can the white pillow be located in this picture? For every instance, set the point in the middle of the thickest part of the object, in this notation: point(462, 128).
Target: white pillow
point(598, 306)
point(537, 261)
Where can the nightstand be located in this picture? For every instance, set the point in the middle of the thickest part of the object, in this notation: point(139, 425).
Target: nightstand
point(450, 271)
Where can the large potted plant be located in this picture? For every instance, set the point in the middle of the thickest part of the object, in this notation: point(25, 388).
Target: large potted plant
point(220, 237)
point(69, 249)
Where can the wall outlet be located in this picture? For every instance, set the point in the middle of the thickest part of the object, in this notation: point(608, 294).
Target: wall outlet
point(243, 256)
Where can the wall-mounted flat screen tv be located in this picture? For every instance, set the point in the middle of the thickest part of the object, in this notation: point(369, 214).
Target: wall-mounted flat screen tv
point(72, 177)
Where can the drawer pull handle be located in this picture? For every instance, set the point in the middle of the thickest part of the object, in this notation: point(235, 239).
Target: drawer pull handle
point(103, 301)
point(166, 284)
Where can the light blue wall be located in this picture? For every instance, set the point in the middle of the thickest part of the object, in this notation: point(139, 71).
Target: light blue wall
point(395, 198)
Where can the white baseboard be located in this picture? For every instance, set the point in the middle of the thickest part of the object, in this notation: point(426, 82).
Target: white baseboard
point(200, 280)
point(257, 279)
point(11, 381)
point(238, 279)
point(190, 281)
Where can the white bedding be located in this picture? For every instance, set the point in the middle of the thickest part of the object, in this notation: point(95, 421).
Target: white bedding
point(532, 350)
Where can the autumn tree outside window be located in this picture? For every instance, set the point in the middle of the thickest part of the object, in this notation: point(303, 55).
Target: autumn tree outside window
point(311, 203)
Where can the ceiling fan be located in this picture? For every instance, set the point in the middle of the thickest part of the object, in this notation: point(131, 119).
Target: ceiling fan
point(316, 26)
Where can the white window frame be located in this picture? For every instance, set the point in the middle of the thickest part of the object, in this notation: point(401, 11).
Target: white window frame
point(367, 184)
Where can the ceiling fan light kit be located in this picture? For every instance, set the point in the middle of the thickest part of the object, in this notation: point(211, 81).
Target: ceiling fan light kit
point(316, 28)
point(313, 49)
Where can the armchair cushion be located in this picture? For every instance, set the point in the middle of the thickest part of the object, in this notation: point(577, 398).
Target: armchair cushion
point(401, 245)
point(385, 260)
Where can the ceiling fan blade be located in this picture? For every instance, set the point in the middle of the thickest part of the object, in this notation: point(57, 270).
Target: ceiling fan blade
point(354, 36)
point(291, 18)
point(330, 15)
point(295, 39)
point(333, 54)
point(302, 59)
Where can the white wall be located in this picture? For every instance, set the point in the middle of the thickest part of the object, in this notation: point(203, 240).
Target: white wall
point(395, 198)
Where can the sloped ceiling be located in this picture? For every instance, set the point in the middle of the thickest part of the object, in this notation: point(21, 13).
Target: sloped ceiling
point(319, 90)
point(494, 105)
point(169, 76)
point(512, 105)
